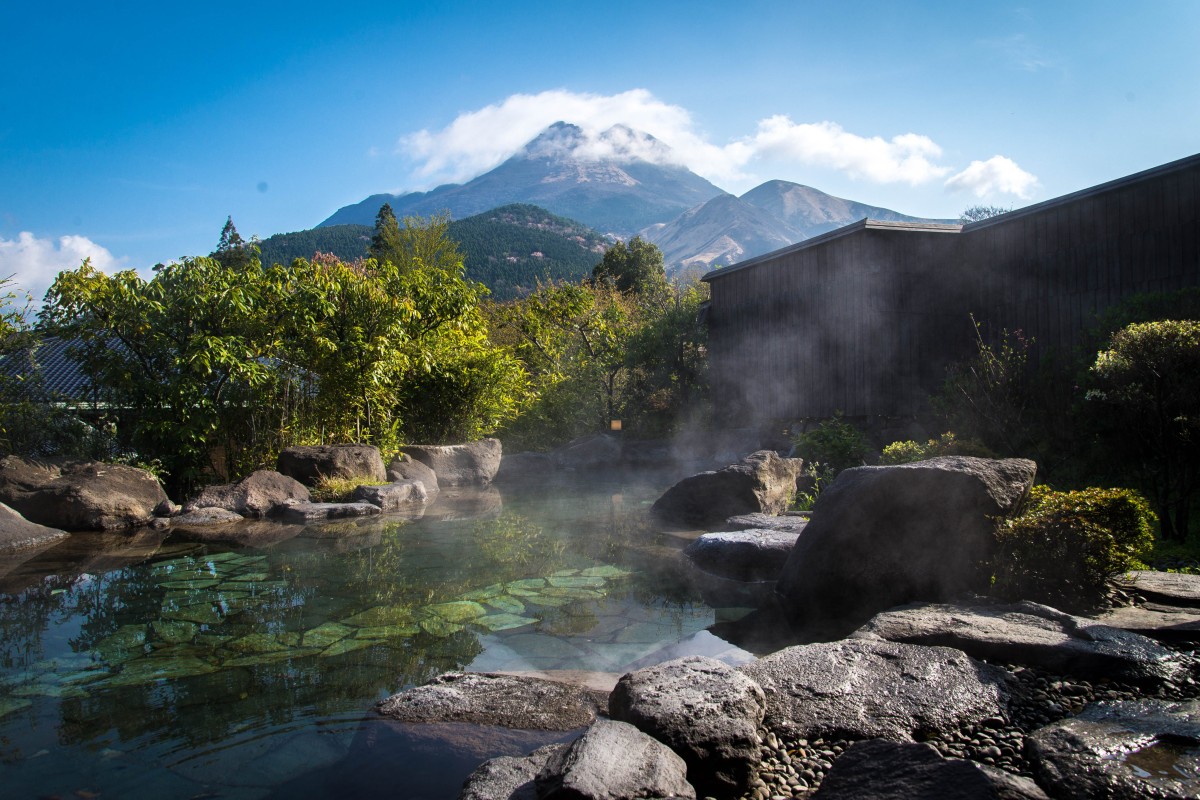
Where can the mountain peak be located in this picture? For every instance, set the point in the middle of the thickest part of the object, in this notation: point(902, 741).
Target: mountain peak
point(564, 141)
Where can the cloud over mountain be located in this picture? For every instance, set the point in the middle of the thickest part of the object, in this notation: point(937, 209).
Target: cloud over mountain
point(477, 141)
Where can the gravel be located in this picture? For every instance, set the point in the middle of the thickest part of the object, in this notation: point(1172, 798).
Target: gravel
point(794, 768)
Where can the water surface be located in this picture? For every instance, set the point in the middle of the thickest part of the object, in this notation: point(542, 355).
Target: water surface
point(155, 666)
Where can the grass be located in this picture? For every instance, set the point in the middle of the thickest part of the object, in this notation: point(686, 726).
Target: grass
point(338, 490)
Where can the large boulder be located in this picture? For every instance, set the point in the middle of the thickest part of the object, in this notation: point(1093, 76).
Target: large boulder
point(1126, 750)
point(885, 536)
point(472, 464)
point(18, 533)
point(256, 495)
point(614, 761)
point(750, 555)
point(406, 468)
point(1171, 588)
point(601, 451)
point(393, 496)
point(80, 496)
point(486, 699)
point(1034, 635)
point(864, 689)
point(881, 770)
point(761, 482)
point(704, 710)
point(310, 464)
point(525, 467)
point(509, 777)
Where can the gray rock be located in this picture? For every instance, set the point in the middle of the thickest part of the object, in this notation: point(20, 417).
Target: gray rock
point(472, 464)
point(255, 533)
point(312, 463)
point(405, 468)
point(883, 770)
point(750, 555)
point(1036, 635)
point(614, 761)
point(1167, 623)
point(393, 496)
point(256, 495)
point(18, 533)
point(319, 512)
point(862, 689)
point(525, 466)
point(782, 522)
point(1165, 587)
point(79, 496)
point(601, 451)
point(488, 699)
point(704, 710)
point(762, 482)
point(509, 777)
point(1137, 749)
point(206, 516)
point(885, 536)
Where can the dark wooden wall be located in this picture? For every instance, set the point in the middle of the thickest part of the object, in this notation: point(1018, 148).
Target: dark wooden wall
point(864, 321)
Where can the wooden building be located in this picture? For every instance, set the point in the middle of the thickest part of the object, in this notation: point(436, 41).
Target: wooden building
point(864, 320)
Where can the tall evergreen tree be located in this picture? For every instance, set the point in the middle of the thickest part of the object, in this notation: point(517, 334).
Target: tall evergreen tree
point(232, 250)
point(386, 245)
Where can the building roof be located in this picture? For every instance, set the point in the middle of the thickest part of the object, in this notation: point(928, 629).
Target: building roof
point(47, 361)
point(845, 230)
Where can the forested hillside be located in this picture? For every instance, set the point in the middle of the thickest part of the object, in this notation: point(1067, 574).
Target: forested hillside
point(508, 249)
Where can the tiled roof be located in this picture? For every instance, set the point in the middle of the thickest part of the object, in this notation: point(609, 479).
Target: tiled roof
point(47, 368)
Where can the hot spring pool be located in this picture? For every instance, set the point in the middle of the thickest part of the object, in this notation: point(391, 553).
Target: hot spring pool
point(153, 666)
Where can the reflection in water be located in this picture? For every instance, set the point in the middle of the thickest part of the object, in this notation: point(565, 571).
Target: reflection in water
point(161, 666)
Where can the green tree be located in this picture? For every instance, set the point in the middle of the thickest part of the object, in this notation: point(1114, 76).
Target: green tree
point(977, 213)
point(385, 241)
point(1146, 387)
point(635, 267)
point(177, 354)
point(232, 250)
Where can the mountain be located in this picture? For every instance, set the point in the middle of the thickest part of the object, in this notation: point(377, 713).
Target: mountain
point(617, 182)
point(812, 212)
point(729, 229)
point(508, 249)
point(724, 230)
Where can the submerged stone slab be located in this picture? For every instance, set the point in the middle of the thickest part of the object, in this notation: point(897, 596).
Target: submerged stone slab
point(320, 512)
point(614, 761)
point(1127, 750)
point(1033, 634)
point(705, 711)
point(881, 770)
point(491, 699)
point(863, 689)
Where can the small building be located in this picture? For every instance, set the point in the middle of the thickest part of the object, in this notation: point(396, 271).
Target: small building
point(866, 319)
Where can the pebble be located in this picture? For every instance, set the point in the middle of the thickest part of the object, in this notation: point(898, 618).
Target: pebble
point(794, 767)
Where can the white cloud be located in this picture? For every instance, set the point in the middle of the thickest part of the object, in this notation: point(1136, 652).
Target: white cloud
point(34, 263)
point(477, 141)
point(997, 175)
point(907, 158)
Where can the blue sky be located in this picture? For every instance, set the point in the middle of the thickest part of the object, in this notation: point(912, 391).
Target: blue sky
point(130, 131)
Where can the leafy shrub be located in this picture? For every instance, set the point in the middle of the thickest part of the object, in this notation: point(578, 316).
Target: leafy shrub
point(1063, 548)
point(908, 451)
point(834, 444)
point(338, 490)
